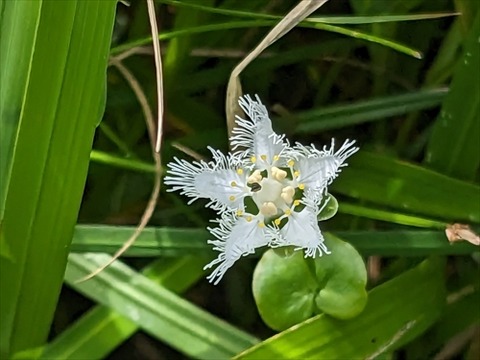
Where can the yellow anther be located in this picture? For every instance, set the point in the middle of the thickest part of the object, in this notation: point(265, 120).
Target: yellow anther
point(264, 157)
point(239, 212)
point(288, 212)
point(301, 186)
point(231, 198)
point(253, 159)
point(296, 173)
point(249, 218)
point(276, 157)
point(290, 163)
point(277, 221)
point(296, 203)
point(261, 224)
point(239, 171)
point(233, 184)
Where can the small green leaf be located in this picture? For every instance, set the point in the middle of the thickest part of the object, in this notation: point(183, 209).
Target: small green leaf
point(291, 289)
point(284, 289)
point(328, 209)
point(344, 277)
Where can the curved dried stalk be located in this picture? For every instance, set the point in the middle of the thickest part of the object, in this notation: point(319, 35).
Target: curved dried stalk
point(152, 202)
point(155, 136)
point(234, 88)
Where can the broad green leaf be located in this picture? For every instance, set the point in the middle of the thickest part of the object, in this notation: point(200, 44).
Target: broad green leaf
point(396, 312)
point(155, 309)
point(62, 103)
point(290, 289)
point(454, 145)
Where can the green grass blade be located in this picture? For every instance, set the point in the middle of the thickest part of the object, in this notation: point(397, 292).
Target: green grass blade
point(151, 242)
point(179, 242)
point(102, 329)
point(389, 216)
point(406, 187)
point(121, 162)
point(338, 116)
point(405, 243)
point(16, 49)
point(396, 312)
point(156, 310)
point(266, 22)
point(350, 20)
point(91, 337)
point(169, 35)
point(316, 24)
point(62, 103)
point(357, 20)
point(458, 124)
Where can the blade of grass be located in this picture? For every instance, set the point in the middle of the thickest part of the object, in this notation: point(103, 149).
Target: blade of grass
point(102, 329)
point(400, 185)
point(155, 309)
point(179, 241)
point(16, 45)
point(317, 23)
point(266, 23)
point(337, 116)
point(121, 162)
point(62, 104)
point(392, 217)
point(351, 20)
point(458, 124)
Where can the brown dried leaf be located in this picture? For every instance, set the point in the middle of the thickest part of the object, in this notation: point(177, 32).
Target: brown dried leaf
point(460, 232)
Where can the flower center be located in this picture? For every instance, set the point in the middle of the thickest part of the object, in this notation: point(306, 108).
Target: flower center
point(272, 194)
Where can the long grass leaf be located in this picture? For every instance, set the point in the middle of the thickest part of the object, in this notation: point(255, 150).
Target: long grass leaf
point(62, 104)
point(454, 145)
point(156, 310)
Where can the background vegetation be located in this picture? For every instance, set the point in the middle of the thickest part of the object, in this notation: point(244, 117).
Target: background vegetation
point(401, 77)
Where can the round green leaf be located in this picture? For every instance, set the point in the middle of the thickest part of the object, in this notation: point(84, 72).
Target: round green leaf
point(291, 289)
point(344, 277)
point(287, 299)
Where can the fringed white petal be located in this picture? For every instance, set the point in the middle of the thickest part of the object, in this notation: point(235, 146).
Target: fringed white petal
point(236, 237)
point(217, 180)
point(302, 231)
point(182, 174)
point(256, 135)
point(318, 168)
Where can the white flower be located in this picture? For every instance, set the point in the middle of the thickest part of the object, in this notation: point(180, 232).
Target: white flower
point(267, 192)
